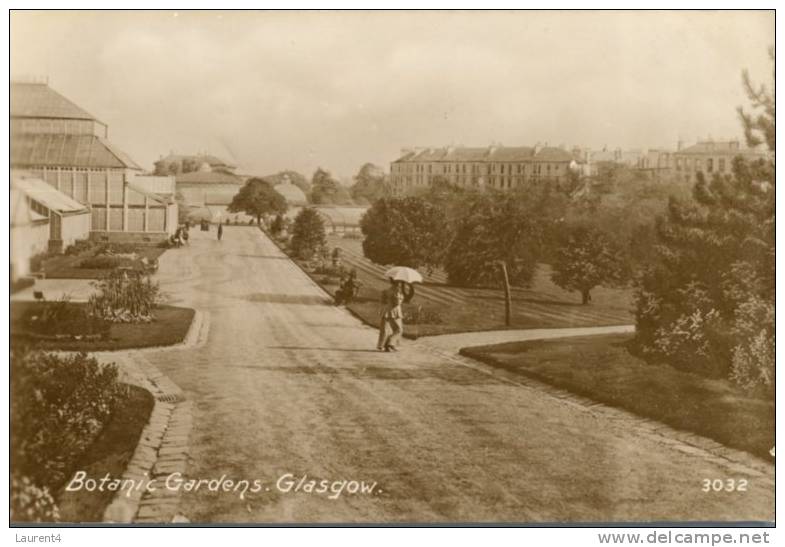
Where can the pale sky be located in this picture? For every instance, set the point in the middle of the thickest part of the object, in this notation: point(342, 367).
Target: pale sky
point(296, 90)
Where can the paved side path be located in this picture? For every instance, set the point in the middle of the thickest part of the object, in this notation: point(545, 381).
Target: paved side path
point(288, 384)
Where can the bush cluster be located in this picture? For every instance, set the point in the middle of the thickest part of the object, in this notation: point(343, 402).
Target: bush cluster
point(59, 405)
point(103, 262)
point(125, 297)
point(417, 315)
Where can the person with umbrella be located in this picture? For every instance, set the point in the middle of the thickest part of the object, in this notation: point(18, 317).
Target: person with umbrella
point(391, 320)
point(220, 230)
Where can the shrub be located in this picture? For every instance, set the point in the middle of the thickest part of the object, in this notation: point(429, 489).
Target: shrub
point(752, 365)
point(308, 235)
point(277, 225)
point(102, 262)
point(119, 248)
point(417, 315)
point(81, 246)
point(31, 503)
point(124, 297)
point(59, 404)
point(330, 270)
point(37, 261)
point(694, 342)
point(62, 317)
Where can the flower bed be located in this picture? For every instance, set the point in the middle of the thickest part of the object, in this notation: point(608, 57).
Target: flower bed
point(90, 260)
point(169, 325)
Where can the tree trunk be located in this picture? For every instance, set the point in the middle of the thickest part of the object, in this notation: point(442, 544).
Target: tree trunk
point(507, 296)
point(585, 296)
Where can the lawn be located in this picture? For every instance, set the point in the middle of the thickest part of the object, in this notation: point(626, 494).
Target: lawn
point(601, 368)
point(170, 327)
point(69, 266)
point(109, 454)
point(459, 309)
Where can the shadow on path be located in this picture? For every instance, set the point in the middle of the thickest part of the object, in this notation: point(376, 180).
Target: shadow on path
point(310, 300)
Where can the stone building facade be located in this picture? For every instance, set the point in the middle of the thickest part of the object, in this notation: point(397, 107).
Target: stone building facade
point(709, 157)
point(497, 167)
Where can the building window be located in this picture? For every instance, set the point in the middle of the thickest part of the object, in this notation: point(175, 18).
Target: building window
point(722, 165)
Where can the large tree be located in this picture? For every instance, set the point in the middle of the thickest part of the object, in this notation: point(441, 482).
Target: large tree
point(370, 184)
point(707, 302)
point(308, 233)
point(258, 198)
point(326, 190)
point(586, 258)
point(508, 229)
point(405, 232)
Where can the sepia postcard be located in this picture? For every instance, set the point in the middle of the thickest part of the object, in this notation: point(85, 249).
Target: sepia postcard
point(393, 268)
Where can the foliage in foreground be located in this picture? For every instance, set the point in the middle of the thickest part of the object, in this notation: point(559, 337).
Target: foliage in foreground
point(707, 303)
point(59, 405)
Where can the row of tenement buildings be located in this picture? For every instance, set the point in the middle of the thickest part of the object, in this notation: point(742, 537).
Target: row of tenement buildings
point(504, 168)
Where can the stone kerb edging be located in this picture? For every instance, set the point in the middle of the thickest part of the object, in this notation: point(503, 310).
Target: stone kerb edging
point(163, 443)
point(162, 450)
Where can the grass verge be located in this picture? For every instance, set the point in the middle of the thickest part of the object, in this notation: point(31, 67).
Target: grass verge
point(459, 309)
point(170, 327)
point(601, 368)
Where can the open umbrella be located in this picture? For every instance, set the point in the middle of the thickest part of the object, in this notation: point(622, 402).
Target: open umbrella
point(402, 273)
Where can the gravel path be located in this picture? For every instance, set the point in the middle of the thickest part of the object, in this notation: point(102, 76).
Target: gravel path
point(289, 384)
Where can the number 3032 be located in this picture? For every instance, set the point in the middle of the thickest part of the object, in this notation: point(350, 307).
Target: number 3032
point(727, 485)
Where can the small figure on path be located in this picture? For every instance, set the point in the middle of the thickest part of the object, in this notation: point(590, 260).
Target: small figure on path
point(348, 290)
point(391, 326)
point(220, 230)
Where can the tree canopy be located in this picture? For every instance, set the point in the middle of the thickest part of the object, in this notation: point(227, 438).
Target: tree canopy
point(586, 258)
point(326, 190)
point(308, 234)
point(405, 232)
point(498, 227)
point(707, 302)
point(257, 198)
point(370, 184)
